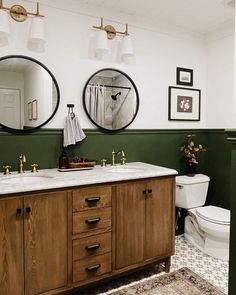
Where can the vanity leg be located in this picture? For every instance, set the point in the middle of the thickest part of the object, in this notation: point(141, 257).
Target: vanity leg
point(167, 264)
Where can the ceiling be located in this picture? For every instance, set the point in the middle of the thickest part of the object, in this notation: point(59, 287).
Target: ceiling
point(196, 16)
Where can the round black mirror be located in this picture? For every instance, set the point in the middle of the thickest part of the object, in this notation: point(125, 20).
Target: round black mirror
point(29, 93)
point(111, 99)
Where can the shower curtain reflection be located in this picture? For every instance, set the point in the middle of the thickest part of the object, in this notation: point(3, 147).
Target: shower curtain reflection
point(95, 103)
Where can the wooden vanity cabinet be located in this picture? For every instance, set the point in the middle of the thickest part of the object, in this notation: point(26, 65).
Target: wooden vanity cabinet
point(144, 222)
point(33, 243)
point(59, 240)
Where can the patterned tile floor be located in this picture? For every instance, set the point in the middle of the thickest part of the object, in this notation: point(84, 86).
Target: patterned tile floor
point(213, 270)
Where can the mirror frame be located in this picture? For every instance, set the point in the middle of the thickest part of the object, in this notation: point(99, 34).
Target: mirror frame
point(137, 98)
point(58, 96)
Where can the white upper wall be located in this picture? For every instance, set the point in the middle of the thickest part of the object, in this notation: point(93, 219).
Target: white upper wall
point(220, 78)
point(70, 57)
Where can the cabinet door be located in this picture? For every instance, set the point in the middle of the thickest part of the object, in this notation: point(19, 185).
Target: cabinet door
point(159, 232)
point(45, 225)
point(129, 223)
point(11, 247)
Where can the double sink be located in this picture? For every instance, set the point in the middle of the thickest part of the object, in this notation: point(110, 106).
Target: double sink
point(29, 178)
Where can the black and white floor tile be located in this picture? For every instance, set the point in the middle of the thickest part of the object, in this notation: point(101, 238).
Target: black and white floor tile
point(213, 270)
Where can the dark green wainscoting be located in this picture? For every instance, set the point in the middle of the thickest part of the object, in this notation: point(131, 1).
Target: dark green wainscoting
point(159, 147)
point(232, 261)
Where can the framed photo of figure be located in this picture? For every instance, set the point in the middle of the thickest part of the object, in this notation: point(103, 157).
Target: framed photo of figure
point(184, 76)
point(184, 104)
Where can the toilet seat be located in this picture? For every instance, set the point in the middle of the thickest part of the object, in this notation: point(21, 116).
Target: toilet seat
point(214, 214)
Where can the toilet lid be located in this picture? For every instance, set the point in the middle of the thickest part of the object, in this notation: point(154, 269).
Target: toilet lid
point(214, 214)
point(197, 178)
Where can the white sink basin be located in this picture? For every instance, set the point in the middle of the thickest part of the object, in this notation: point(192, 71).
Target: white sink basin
point(25, 179)
point(125, 169)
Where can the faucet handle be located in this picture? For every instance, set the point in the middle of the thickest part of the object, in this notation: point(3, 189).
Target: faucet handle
point(103, 162)
point(7, 170)
point(123, 161)
point(34, 168)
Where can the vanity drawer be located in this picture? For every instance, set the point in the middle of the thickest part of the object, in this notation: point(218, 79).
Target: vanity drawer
point(91, 267)
point(90, 198)
point(93, 245)
point(90, 220)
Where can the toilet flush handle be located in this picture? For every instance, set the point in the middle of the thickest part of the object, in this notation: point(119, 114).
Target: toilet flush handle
point(179, 186)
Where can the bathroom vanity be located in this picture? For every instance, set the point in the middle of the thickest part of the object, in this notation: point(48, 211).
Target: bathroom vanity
point(67, 230)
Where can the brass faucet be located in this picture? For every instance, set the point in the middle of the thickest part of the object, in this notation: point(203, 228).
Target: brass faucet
point(122, 159)
point(22, 159)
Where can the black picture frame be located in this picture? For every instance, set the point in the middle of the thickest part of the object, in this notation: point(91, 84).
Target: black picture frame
point(184, 76)
point(184, 104)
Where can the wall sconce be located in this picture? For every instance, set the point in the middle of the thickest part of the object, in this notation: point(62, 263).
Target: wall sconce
point(108, 33)
point(20, 14)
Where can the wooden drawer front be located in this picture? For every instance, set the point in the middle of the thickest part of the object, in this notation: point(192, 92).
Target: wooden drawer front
point(93, 245)
point(91, 267)
point(90, 220)
point(89, 198)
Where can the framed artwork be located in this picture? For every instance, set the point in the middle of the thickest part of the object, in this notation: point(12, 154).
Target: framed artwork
point(30, 111)
point(184, 104)
point(35, 109)
point(184, 76)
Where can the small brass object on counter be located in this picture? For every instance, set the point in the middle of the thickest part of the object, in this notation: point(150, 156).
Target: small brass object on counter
point(34, 168)
point(7, 170)
point(103, 162)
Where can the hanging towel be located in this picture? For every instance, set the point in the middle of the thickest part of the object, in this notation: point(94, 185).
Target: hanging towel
point(72, 132)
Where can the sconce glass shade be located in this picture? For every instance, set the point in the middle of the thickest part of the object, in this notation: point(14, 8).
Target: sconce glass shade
point(4, 28)
point(37, 39)
point(127, 49)
point(101, 43)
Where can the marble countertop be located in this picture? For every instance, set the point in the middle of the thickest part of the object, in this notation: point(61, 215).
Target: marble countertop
point(51, 178)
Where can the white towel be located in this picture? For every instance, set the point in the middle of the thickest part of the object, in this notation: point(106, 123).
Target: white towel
point(72, 132)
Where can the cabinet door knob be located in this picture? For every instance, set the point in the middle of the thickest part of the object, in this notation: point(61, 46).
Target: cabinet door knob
point(93, 268)
point(92, 199)
point(149, 191)
point(18, 212)
point(27, 210)
point(145, 192)
point(92, 220)
point(92, 247)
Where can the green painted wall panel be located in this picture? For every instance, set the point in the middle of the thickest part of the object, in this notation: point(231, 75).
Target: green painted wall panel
point(160, 147)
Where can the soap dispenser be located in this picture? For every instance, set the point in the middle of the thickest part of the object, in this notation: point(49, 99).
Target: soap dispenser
point(63, 160)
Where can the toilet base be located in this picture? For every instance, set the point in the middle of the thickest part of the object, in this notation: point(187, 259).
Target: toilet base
point(216, 248)
point(206, 243)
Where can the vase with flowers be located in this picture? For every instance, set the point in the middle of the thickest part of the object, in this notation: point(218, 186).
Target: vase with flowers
point(190, 151)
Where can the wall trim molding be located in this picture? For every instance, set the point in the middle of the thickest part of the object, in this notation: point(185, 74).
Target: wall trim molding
point(50, 131)
point(231, 135)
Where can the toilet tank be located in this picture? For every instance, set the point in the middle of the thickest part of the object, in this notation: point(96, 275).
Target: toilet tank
point(191, 191)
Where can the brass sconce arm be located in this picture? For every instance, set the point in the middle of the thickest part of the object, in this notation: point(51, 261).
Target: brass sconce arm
point(110, 30)
point(19, 13)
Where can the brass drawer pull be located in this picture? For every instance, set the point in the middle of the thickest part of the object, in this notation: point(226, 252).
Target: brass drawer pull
point(92, 220)
point(93, 247)
point(93, 268)
point(92, 199)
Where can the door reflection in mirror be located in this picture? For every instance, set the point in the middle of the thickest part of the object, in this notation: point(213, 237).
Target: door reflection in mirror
point(111, 99)
point(24, 81)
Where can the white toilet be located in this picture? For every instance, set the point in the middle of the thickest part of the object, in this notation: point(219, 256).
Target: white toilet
point(207, 227)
